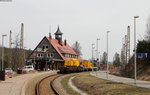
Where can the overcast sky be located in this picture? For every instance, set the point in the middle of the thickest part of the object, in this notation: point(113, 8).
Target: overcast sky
point(79, 20)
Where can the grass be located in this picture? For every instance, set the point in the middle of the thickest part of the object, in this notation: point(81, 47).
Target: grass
point(97, 86)
point(69, 90)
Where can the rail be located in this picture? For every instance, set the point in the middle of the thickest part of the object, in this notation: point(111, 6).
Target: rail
point(50, 80)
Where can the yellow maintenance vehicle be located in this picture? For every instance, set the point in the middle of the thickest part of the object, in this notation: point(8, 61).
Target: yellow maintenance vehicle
point(88, 66)
point(74, 65)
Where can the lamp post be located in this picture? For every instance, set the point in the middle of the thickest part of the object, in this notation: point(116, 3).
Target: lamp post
point(107, 55)
point(97, 54)
point(135, 48)
point(3, 52)
point(97, 47)
point(98, 62)
point(92, 51)
point(92, 55)
point(99, 57)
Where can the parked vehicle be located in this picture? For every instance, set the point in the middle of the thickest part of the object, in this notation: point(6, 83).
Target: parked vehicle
point(8, 71)
point(28, 68)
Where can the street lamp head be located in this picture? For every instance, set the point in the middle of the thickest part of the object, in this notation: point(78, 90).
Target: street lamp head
point(136, 16)
point(108, 31)
point(98, 38)
point(4, 35)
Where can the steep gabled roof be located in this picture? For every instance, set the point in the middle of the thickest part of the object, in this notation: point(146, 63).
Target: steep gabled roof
point(66, 49)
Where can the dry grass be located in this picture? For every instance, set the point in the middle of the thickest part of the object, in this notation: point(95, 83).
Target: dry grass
point(69, 90)
point(96, 86)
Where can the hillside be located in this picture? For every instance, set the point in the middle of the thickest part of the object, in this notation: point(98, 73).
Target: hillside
point(143, 64)
point(143, 69)
point(14, 54)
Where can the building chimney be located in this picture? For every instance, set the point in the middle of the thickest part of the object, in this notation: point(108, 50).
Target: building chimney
point(65, 42)
point(50, 35)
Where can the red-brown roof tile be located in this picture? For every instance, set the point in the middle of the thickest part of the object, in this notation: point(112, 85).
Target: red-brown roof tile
point(61, 48)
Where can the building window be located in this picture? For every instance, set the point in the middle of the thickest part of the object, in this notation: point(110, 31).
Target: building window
point(67, 55)
point(43, 47)
point(73, 56)
point(48, 55)
point(51, 55)
point(40, 55)
point(46, 46)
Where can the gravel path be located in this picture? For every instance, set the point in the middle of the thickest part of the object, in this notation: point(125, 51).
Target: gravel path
point(17, 85)
point(70, 83)
point(102, 74)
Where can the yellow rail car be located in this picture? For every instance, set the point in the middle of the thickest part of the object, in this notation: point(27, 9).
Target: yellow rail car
point(68, 63)
point(72, 65)
point(76, 62)
point(72, 62)
point(88, 65)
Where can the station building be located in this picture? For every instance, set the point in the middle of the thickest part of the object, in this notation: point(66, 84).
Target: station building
point(51, 53)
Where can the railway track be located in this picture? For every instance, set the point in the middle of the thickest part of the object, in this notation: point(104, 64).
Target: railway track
point(46, 86)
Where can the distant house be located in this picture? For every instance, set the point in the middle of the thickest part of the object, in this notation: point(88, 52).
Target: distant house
point(51, 53)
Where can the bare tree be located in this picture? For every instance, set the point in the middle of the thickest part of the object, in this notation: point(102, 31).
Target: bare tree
point(116, 60)
point(147, 36)
point(10, 57)
point(16, 52)
point(0, 56)
point(104, 58)
point(77, 48)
